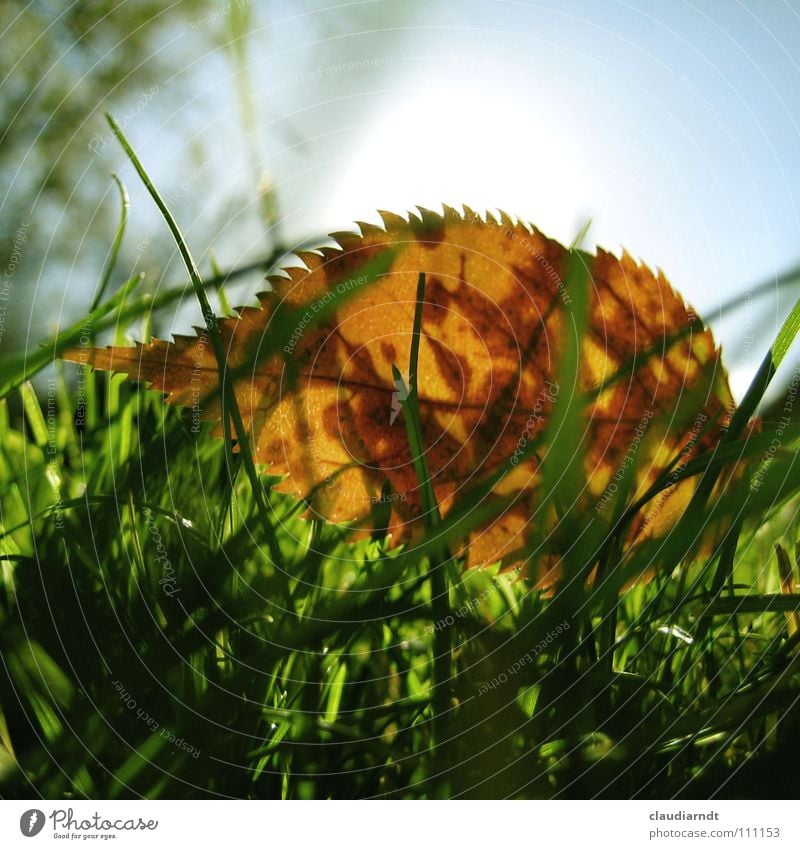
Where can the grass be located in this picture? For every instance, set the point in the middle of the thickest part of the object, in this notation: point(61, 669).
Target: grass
point(171, 627)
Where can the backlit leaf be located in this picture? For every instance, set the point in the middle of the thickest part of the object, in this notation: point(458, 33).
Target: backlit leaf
point(314, 371)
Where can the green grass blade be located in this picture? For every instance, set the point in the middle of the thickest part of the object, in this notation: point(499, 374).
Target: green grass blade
point(438, 560)
point(769, 366)
point(125, 203)
point(34, 415)
point(230, 408)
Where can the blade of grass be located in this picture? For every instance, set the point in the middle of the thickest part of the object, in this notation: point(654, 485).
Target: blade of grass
point(229, 405)
point(224, 303)
point(769, 366)
point(442, 640)
point(784, 280)
point(34, 415)
point(125, 204)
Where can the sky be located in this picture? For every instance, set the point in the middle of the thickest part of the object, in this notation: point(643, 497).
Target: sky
point(672, 126)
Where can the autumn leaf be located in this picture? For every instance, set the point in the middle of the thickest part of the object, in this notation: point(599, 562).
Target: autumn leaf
point(312, 370)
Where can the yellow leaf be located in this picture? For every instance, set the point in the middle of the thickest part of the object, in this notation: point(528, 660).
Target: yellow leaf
point(313, 376)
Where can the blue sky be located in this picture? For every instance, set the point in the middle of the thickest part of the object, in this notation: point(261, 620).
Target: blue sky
point(672, 125)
